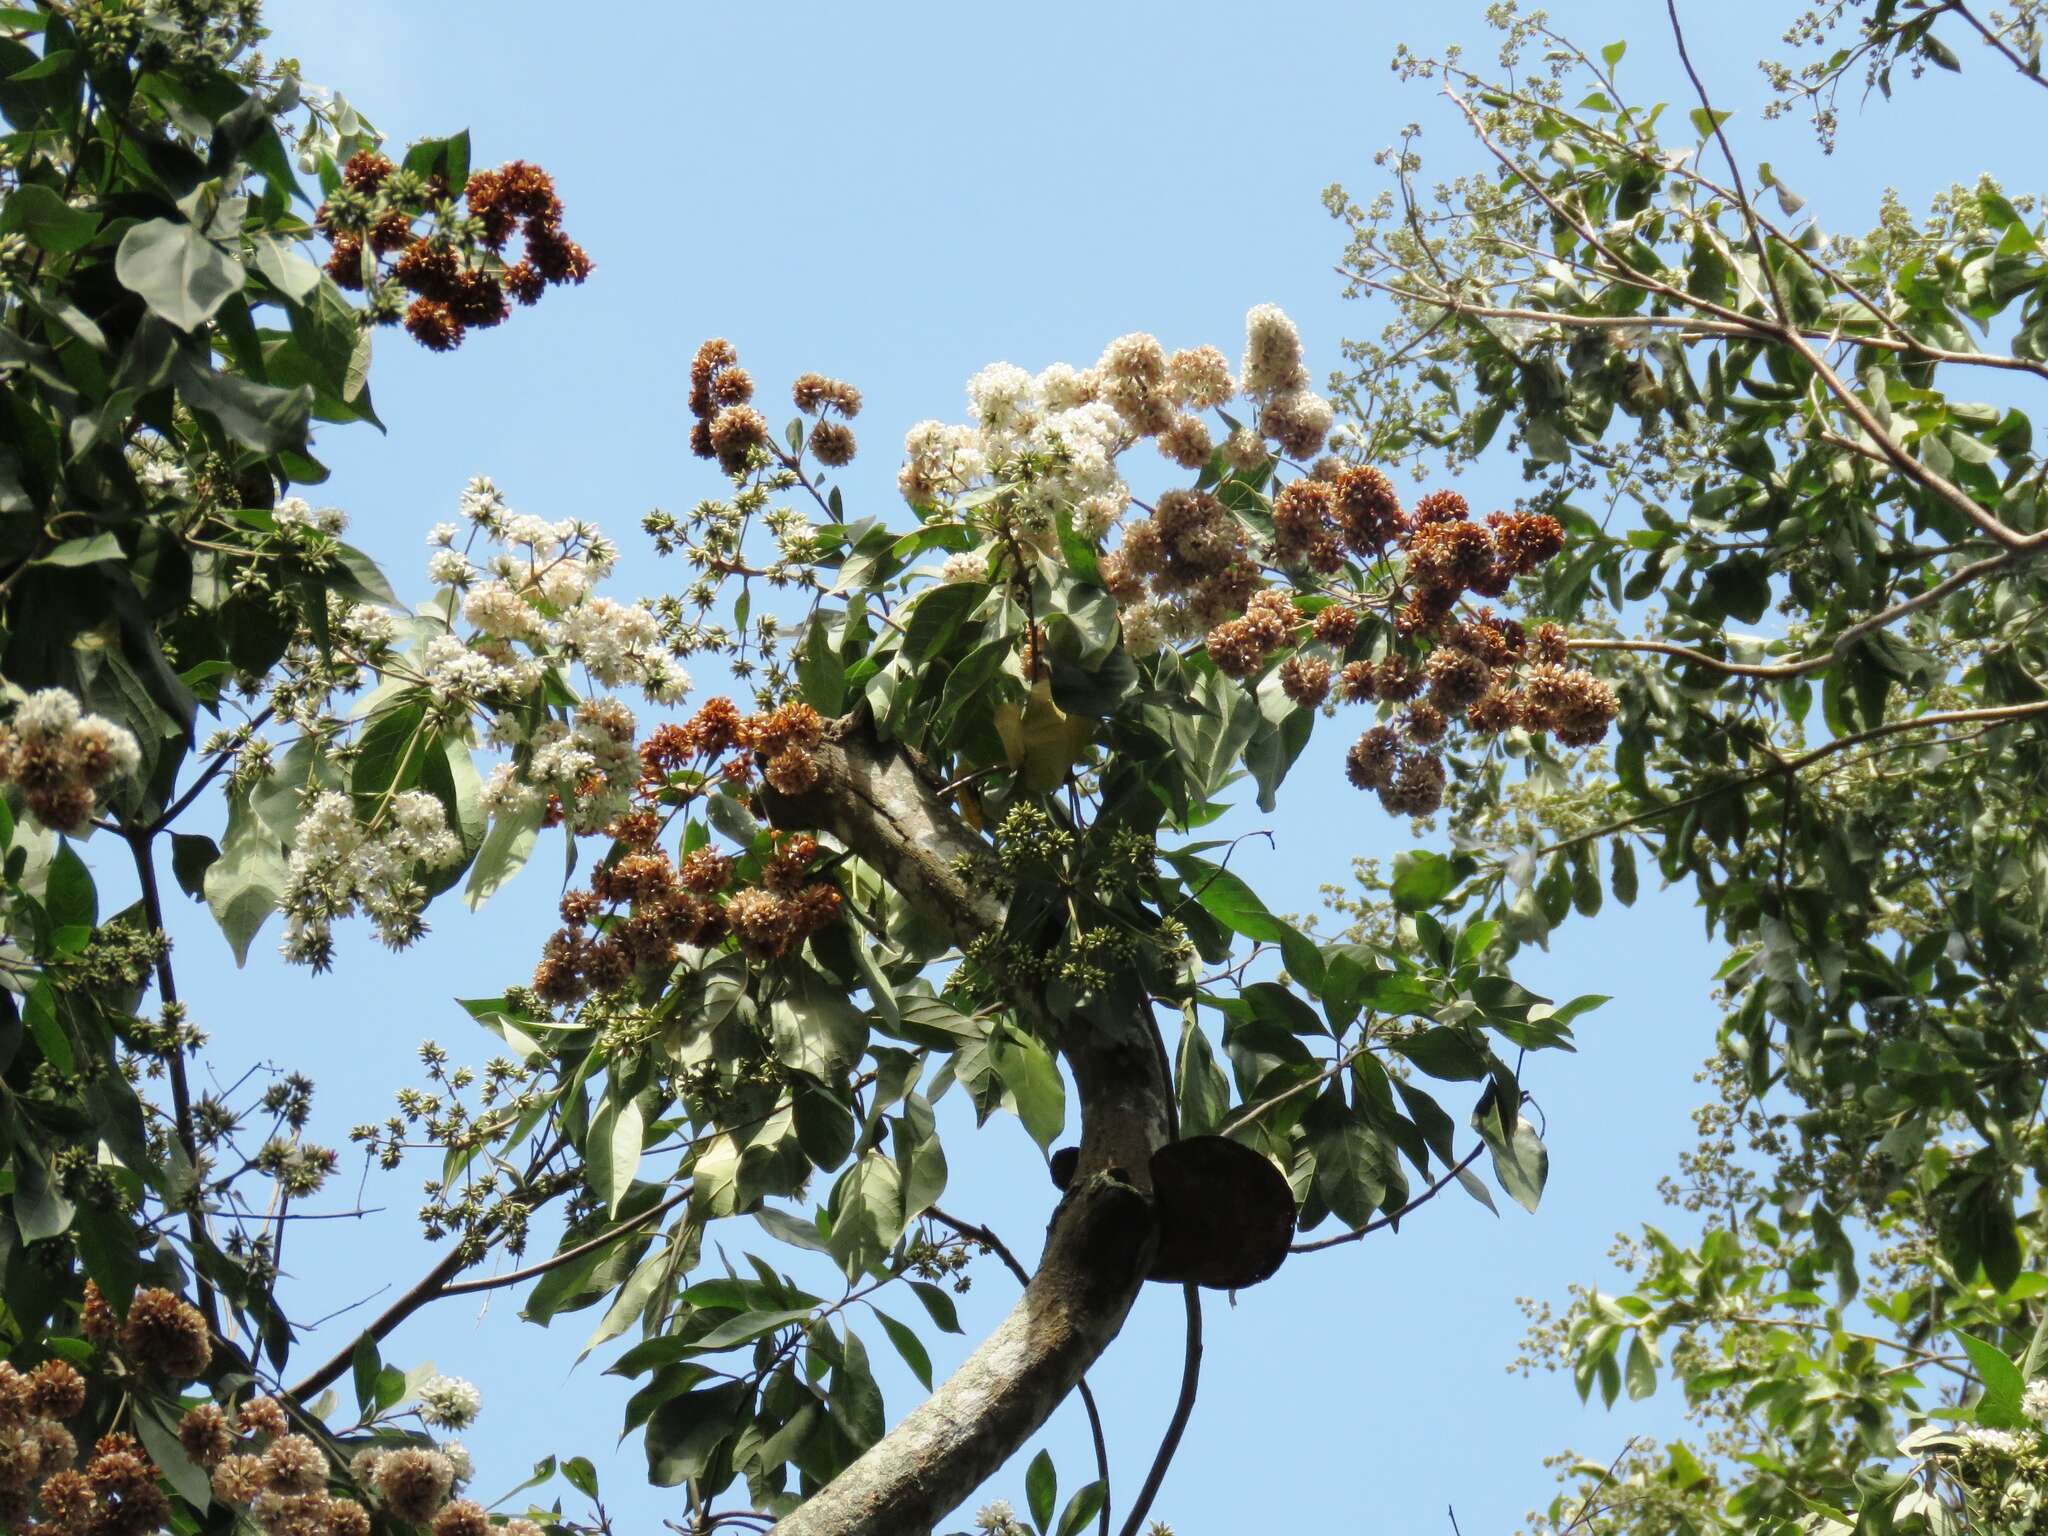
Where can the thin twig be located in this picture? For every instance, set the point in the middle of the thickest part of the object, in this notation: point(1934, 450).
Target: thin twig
point(1379, 1222)
point(557, 1260)
point(1190, 1378)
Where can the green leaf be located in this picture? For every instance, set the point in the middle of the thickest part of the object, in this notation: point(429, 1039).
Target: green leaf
point(364, 1364)
point(1350, 1163)
point(260, 416)
point(160, 1439)
point(938, 1304)
point(909, 1346)
point(581, 1475)
point(1041, 1488)
point(612, 1153)
point(87, 551)
point(504, 851)
point(684, 1433)
point(1998, 1406)
point(1641, 1371)
point(243, 886)
point(1028, 1071)
point(45, 220)
point(1422, 879)
point(1519, 1162)
point(1234, 904)
point(1083, 1507)
point(867, 1213)
point(180, 274)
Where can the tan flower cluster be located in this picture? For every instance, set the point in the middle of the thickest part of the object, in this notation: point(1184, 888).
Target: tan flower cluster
point(165, 1335)
point(666, 906)
point(728, 429)
point(61, 757)
point(1239, 647)
point(1450, 666)
point(283, 1486)
point(831, 442)
point(42, 1490)
point(1191, 555)
point(456, 272)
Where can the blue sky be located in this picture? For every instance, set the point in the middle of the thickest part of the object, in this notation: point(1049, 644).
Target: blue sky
point(899, 195)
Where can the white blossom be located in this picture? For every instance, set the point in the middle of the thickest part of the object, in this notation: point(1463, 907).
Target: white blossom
point(2035, 1404)
point(451, 1403)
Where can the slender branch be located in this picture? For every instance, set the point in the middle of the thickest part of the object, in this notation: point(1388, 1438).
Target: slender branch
point(557, 1260)
point(426, 1289)
point(1962, 576)
point(996, 1246)
point(212, 771)
point(1255, 1111)
point(181, 1091)
point(1790, 765)
point(1378, 1222)
point(1190, 1379)
point(1996, 40)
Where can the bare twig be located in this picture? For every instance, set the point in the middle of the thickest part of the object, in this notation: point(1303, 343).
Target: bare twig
point(1379, 1222)
point(1184, 1405)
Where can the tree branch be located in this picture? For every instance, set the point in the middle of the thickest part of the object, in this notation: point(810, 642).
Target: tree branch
point(873, 799)
point(995, 1245)
point(1190, 1378)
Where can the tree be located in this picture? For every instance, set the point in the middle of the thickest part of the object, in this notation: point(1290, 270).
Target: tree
point(946, 844)
point(1788, 419)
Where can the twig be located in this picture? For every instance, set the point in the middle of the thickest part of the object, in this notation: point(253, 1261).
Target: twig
point(1378, 1222)
point(181, 1092)
point(1190, 1377)
point(557, 1260)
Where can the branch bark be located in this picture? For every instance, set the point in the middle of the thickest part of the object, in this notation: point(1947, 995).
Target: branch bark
point(874, 798)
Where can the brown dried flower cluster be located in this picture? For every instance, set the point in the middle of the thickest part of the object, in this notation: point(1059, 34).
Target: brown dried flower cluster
point(165, 1335)
point(1191, 552)
point(456, 272)
point(61, 758)
point(640, 908)
point(1447, 666)
point(42, 1489)
point(831, 442)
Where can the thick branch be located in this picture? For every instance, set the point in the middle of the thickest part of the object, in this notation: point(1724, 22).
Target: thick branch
point(873, 799)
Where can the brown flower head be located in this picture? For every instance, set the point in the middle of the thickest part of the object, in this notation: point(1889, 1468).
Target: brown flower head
point(414, 1483)
point(166, 1335)
point(1358, 682)
point(433, 325)
point(736, 432)
point(1336, 625)
point(294, 1464)
point(464, 1517)
point(1441, 507)
point(1371, 761)
point(1305, 679)
point(832, 444)
point(205, 1434)
point(1368, 510)
point(1457, 678)
point(56, 1390)
point(1417, 788)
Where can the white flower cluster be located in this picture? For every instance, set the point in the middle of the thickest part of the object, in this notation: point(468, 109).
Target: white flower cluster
point(1999, 1442)
point(536, 589)
point(340, 864)
point(2035, 1404)
point(1054, 438)
point(449, 1402)
point(591, 767)
point(295, 512)
point(997, 1518)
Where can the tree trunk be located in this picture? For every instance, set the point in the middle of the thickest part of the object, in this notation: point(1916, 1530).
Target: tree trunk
point(873, 799)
